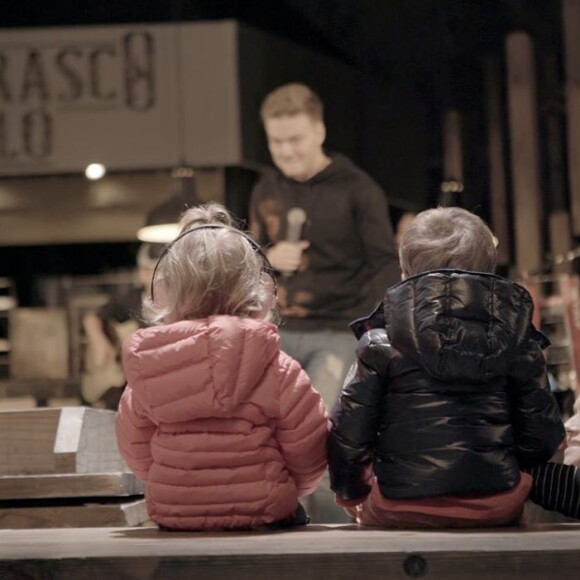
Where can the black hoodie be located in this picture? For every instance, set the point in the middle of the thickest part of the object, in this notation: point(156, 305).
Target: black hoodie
point(351, 259)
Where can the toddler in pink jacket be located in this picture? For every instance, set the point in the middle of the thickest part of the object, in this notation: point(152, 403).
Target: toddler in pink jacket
point(223, 428)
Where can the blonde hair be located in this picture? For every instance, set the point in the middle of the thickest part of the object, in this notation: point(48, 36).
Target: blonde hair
point(292, 99)
point(208, 271)
point(447, 237)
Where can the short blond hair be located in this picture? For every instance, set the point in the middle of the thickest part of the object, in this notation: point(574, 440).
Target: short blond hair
point(207, 272)
point(447, 237)
point(292, 99)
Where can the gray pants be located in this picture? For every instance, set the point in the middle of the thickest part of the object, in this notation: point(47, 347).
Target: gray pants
point(326, 356)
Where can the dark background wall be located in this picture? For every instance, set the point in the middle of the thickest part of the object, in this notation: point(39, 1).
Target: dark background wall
point(412, 60)
point(423, 55)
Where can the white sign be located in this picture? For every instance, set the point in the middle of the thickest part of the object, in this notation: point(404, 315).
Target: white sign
point(113, 95)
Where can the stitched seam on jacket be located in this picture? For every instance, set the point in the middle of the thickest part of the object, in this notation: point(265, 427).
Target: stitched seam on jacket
point(441, 367)
point(491, 310)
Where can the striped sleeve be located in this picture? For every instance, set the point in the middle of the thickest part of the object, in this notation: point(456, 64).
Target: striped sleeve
point(556, 487)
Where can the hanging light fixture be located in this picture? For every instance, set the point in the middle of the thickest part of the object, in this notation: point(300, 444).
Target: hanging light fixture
point(162, 223)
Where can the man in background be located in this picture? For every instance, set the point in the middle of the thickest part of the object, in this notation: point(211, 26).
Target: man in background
point(339, 257)
point(325, 225)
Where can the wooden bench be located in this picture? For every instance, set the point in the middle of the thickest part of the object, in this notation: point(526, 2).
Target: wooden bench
point(320, 552)
point(61, 468)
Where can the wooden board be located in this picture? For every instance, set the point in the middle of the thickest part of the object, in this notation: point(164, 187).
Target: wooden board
point(69, 485)
point(132, 513)
point(27, 441)
point(316, 552)
point(58, 440)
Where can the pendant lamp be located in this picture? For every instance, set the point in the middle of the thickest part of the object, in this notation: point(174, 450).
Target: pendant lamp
point(162, 223)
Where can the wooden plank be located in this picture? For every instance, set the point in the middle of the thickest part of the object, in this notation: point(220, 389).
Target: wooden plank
point(53, 440)
point(525, 155)
point(27, 441)
point(76, 516)
point(69, 485)
point(67, 438)
point(315, 552)
point(97, 447)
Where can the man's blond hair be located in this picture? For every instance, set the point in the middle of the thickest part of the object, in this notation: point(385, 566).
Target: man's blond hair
point(292, 99)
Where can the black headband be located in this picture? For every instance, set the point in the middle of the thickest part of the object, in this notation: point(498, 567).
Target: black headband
point(266, 263)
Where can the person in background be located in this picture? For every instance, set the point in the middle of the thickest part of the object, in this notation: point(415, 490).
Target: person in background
point(106, 328)
point(449, 401)
point(572, 425)
point(336, 254)
point(223, 427)
point(326, 229)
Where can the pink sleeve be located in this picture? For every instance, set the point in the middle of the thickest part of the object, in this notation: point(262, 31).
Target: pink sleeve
point(134, 432)
point(302, 430)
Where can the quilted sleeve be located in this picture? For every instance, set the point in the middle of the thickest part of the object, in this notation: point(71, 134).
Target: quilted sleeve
point(134, 432)
point(355, 420)
point(538, 428)
point(302, 429)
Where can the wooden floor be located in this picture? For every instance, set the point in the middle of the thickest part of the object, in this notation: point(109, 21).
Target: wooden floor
point(321, 552)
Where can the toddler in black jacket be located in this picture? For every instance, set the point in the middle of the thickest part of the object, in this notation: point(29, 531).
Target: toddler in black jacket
point(448, 404)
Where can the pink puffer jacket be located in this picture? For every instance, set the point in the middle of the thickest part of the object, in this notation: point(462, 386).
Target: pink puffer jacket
point(223, 428)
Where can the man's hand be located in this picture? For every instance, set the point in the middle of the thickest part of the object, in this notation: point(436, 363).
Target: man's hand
point(286, 256)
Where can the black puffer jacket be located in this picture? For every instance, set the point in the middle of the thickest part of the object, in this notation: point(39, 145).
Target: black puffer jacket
point(449, 394)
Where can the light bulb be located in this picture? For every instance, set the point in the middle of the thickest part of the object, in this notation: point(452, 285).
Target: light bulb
point(95, 171)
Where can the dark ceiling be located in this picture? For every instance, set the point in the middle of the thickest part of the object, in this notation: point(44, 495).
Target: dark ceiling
point(436, 41)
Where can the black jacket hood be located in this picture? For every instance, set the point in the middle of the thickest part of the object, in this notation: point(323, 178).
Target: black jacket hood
point(456, 324)
point(459, 325)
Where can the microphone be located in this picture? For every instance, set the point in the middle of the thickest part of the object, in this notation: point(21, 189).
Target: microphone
point(295, 219)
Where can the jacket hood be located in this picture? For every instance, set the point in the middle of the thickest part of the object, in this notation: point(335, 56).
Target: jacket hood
point(208, 365)
point(459, 325)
